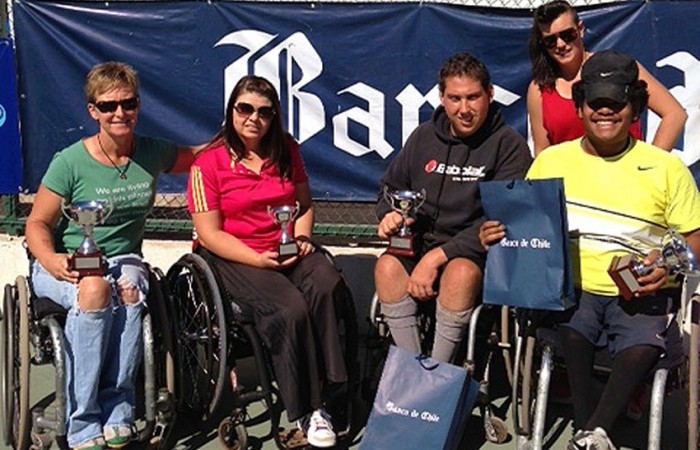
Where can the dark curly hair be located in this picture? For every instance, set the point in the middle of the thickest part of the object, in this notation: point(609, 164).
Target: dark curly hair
point(637, 96)
point(464, 65)
point(545, 70)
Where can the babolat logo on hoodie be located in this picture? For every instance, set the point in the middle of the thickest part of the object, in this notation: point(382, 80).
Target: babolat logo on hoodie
point(463, 173)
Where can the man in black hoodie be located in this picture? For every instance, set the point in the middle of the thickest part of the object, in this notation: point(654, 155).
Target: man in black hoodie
point(466, 142)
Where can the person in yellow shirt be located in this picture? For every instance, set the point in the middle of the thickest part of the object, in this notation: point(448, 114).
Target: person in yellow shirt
point(620, 193)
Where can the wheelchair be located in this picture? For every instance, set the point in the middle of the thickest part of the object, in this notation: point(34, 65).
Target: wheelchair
point(214, 334)
point(537, 347)
point(32, 333)
point(484, 341)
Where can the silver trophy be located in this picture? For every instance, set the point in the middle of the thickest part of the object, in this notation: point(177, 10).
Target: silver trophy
point(676, 255)
point(406, 203)
point(88, 259)
point(282, 216)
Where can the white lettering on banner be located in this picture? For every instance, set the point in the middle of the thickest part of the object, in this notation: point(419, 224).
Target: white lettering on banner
point(372, 119)
point(504, 96)
point(411, 101)
point(305, 110)
point(252, 40)
point(299, 53)
point(688, 95)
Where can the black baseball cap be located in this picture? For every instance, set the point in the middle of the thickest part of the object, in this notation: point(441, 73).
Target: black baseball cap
point(608, 75)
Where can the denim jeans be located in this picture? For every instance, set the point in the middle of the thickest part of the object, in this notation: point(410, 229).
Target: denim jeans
point(103, 349)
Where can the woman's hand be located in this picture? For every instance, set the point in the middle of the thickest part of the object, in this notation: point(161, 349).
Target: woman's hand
point(305, 246)
point(655, 280)
point(491, 232)
point(270, 260)
point(57, 264)
point(267, 260)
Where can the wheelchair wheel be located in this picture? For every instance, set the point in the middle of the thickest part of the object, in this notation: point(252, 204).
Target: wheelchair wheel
point(15, 389)
point(496, 430)
point(232, 434)
point(163, 338)
point(7, 324)
point(201, 335)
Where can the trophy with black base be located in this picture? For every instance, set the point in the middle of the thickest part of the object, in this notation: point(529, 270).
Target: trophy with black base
point(282, 216)
point(676, 256)
point(88, 259)
point(406, 203)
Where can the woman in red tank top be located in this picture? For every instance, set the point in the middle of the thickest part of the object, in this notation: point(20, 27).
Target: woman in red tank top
point(557, 54)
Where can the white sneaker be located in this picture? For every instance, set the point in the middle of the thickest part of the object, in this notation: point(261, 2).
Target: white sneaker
point(318, 429)
point(591, 440)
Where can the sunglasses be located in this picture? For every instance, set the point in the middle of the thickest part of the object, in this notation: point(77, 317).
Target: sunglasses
point(111, 106)
point(247, 110)
point(568, 36)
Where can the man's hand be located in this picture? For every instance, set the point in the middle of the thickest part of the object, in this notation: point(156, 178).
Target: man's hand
point(491, 232)
point(422, 280)
point(391, 223)
point(655, 280)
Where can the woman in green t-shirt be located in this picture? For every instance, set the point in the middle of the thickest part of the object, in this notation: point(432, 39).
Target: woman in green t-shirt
point(103, 327)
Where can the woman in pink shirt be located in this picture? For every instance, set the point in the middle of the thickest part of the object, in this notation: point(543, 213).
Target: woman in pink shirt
point(252, 165)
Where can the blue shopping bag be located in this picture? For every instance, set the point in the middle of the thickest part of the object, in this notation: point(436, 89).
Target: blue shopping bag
point(420, 404)
point(531, 267)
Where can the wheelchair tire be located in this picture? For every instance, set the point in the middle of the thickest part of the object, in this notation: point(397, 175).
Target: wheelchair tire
point(232, 434)
point(201, 334)
point(6, 325)
point(17, 417)
point(163, 338)
point(497, 432)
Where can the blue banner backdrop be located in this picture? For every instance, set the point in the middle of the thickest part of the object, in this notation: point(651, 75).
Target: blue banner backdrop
point(10, 156)
point(354, 79)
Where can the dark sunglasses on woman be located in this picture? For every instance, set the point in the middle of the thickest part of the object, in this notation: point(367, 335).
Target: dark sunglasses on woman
point(111, 106)
point(247, 110)
point(568, 36)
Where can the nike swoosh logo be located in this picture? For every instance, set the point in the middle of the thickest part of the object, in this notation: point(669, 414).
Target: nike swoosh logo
point(605, 74)
point(579, 446)
point(643, 168)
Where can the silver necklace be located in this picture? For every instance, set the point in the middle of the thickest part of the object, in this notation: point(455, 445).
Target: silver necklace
point(122, 172)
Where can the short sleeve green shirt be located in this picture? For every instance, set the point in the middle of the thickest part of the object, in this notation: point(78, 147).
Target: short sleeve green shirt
point(78, 177)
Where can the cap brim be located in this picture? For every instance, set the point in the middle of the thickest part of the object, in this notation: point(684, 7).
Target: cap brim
point(610, 91)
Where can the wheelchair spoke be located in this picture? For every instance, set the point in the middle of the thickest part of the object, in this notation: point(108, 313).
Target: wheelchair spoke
point(200, 337)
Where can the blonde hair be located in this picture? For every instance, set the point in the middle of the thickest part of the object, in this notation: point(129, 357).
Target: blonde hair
point(107, 76)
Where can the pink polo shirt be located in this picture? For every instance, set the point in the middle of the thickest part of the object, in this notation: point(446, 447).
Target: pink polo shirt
point(217, 183)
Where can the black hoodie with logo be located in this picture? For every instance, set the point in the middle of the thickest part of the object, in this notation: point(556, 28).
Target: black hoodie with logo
point(450, 169)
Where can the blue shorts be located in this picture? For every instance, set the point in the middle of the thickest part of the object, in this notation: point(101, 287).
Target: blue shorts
point(620, 324)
